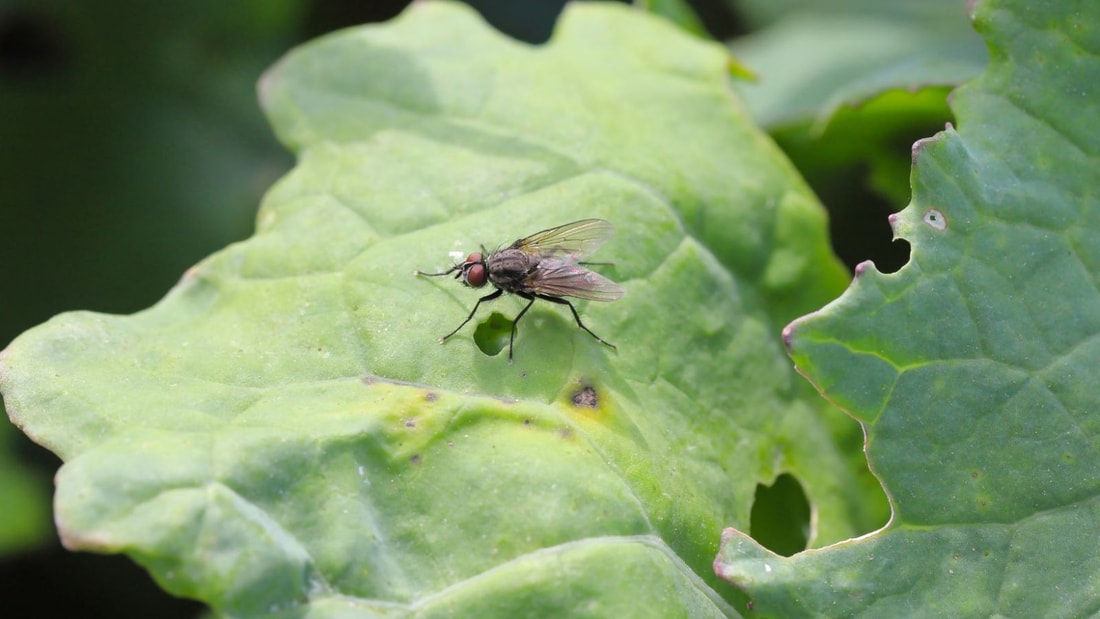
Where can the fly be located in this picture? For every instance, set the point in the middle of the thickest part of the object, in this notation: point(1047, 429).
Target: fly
point(546, 265)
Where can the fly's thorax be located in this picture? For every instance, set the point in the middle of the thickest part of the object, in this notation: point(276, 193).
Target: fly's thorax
point(509, 268)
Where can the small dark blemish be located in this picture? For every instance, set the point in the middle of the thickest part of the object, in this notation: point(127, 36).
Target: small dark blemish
point(935, 219)
point(414, 459)
point(586, 397)
point(566, 433)
point(974, 474)
point(431, 396)
point(410, 423)
point(368, 380)
point(526, 422)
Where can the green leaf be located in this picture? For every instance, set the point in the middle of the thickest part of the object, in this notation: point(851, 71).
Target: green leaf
point(283, 433)
point(973, 368)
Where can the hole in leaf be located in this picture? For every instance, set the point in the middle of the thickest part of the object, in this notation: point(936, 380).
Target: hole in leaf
point(491, 334)
point(780, 518)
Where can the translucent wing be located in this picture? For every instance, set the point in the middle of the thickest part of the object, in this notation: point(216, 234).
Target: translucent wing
point(565, 279)
point(571, 242)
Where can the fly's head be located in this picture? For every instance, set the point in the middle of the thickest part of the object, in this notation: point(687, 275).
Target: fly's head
point(473, 271)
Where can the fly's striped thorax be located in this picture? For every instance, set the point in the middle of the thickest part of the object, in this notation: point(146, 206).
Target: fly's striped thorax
point(509, 268)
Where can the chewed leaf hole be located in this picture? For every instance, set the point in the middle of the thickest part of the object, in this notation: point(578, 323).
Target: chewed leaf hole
point(780, 518)
point(491, 334)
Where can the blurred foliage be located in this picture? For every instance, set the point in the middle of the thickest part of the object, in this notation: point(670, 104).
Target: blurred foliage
point(24, 521)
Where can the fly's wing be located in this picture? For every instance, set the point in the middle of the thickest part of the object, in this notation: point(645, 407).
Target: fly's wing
point(571, 242)
point(557, 278)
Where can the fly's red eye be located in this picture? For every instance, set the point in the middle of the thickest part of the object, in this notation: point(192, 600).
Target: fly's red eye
point(473, 258)
point(475, 275)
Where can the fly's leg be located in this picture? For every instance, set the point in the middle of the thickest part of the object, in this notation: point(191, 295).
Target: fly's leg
point(488, 297)
point(561, 301)
point(512, 338)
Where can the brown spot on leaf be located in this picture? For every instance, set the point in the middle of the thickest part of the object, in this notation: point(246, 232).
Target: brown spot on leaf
point(414, 459)
point(586, 397)
point(431, 396)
